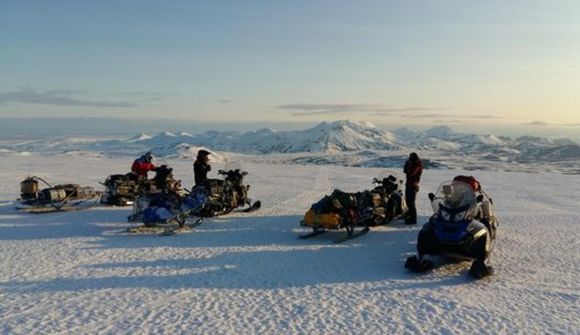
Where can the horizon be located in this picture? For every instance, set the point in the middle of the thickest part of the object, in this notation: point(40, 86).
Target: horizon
point(90, 126)
point(491, 65)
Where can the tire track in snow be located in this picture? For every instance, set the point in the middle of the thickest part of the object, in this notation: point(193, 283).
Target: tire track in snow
point(306, 198)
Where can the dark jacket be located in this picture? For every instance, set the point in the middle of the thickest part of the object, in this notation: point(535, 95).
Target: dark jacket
point(200, 170)
point(413, 171)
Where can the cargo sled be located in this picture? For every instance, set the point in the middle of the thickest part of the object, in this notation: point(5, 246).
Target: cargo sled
point(335, 212)
point(54, 198)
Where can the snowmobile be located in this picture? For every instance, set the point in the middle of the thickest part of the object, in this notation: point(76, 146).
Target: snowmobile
point(462, 227)
point(335, 212)
point(54, 198)
point(167, 212)
point(123, 189)
point(228, 194)
point(162, 183)
point(384, 203)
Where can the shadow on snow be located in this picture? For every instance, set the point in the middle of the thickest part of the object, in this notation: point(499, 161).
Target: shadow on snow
point(256, 252)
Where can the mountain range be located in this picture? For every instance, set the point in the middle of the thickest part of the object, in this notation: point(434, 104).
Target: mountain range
point(339, 142)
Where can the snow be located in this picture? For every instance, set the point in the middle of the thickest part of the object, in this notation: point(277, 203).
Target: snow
point(248, 273)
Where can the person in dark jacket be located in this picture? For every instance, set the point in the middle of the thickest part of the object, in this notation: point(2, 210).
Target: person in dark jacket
point(142, 165)
point(201, 167)
point(413, 170)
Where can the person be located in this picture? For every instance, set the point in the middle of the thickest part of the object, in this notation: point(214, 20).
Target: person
point(413, 170)
point(142, 165)
point(201, 167)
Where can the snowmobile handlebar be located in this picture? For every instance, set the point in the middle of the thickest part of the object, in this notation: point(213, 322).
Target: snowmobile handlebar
point(225, 173)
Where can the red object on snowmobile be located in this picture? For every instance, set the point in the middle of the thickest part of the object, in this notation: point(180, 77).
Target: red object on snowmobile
point(474, 183)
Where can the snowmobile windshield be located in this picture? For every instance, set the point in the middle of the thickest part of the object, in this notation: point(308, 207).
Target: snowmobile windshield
point(454, 200)
point(232, 166)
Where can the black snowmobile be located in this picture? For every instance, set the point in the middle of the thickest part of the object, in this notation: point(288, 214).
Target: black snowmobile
point(228, 194)
point(384, 203)
point(123, 189)
point(54, 198)
point(463, 227)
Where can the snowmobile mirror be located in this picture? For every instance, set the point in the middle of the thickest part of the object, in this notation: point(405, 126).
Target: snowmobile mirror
point(480, 198)
point(431, 196)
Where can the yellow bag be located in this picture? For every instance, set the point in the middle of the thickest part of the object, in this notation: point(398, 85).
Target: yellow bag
point(327, 220)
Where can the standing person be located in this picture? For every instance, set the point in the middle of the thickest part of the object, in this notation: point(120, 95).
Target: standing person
point(142, 165)
point(413, 170)
point(201, 167)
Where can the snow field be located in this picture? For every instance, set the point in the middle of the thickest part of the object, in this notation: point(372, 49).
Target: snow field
point(248, 273)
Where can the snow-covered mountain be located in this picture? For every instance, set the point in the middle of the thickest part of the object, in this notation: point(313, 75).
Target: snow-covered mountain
point(341, 142)
point(326, 137)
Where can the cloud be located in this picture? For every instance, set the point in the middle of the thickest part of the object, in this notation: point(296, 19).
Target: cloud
point(60, 98)
point(225, 101)
point(542, 123)
point(451, 116)
point(301, 109)
point(415, 112)
point(539, 123)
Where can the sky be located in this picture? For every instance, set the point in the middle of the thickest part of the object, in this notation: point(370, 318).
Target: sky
point(469, 64)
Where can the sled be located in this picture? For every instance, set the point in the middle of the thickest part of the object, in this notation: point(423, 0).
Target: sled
point(323, 223)
point(54, 198)
point(53, 208)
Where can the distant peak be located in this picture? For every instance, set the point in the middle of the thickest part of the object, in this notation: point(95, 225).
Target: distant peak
point(139, 137)
point(440, 131)
point(346, 123)
point(167, 134)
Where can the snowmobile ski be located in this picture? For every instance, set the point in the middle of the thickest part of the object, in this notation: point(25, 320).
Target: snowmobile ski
point(51, 209)
point(315, 232)
point(165, 229)
point(254, 207)
point(352, 235)
point(174, 231)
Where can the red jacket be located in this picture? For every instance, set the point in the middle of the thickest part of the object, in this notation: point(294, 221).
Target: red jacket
point(141, 168)
point(413, 171)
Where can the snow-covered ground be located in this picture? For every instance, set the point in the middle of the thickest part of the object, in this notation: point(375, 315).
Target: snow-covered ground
point(249, 274)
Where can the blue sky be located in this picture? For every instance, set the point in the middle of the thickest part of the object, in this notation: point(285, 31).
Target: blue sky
point(464, 63)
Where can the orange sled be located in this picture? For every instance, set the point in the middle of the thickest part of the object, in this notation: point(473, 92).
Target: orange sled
point(321, 223)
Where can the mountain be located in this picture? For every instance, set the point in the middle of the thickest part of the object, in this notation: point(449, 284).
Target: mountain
point(329, 137)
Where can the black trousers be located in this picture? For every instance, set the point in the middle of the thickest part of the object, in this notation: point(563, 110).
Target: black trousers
point(410, 197)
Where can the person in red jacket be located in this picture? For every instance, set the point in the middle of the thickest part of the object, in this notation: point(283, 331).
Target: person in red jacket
point(413, 170)
point(142, 165)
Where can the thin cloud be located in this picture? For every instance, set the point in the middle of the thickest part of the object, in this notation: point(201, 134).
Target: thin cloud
point(225, 101)
point(59, 98)
point(539, 123)
point(542, 123)
point(301, 109)
point(452, 116)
